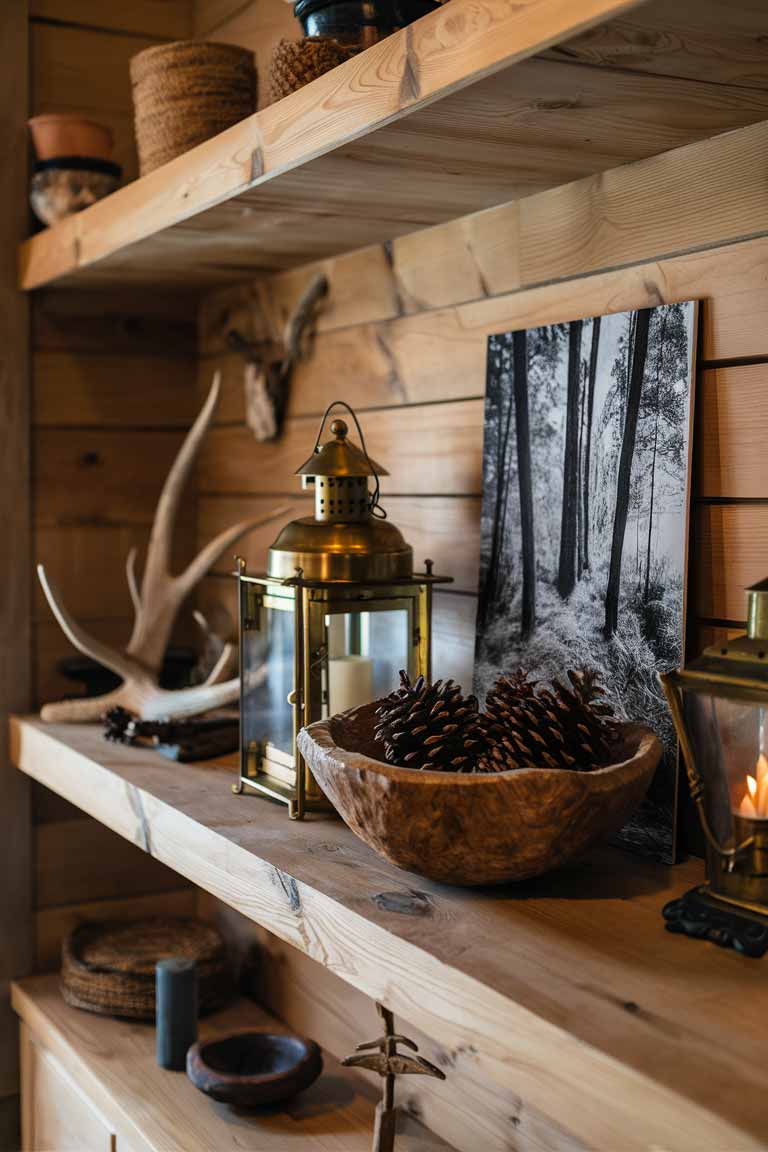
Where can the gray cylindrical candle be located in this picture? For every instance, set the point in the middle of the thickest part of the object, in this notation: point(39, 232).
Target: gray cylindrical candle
point(176, 1011)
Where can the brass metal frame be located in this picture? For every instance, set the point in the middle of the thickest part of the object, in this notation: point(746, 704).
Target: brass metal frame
point(268, 770)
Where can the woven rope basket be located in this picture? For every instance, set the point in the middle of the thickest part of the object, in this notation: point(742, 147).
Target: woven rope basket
point(187, 92)
point(297, 62)
point(110, 968)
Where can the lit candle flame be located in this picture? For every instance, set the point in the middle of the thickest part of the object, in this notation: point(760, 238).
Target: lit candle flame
point(754, 802)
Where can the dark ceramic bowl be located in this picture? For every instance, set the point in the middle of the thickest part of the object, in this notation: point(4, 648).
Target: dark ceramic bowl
point(251, 1069)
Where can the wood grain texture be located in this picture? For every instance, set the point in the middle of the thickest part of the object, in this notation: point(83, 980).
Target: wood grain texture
point(101, 475)
point(81, 860)
point(166, 19)
point(671, 40)
point(535, 986)
point(431, 449)
point(117, 322)
point(113, 1064)
point(475, 1113)
point(84, 389)
point(731, 410)
point(730, 552)
point(500, 131)
point(56, 1112)
point(15, 601)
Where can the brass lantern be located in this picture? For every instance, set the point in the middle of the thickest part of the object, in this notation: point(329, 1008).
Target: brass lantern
point(339, 612)
point(720, 707)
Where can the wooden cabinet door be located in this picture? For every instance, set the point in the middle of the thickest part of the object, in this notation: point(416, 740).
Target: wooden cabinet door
point(56, 1116)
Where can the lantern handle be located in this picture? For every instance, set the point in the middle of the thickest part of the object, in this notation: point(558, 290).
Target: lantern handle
point(695, 782)
point(374, 506)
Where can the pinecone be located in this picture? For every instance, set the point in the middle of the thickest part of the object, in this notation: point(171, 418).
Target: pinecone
point(430, 726)
point(530, 727)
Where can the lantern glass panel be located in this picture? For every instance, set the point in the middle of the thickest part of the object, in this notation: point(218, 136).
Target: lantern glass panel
point(728, 738)
point(366, 651)
point(267, 717)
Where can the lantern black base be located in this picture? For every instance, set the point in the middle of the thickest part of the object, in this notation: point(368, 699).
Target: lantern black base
point(702, 916)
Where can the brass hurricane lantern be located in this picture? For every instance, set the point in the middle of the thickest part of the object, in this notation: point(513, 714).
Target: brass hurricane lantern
point(338, 613)
point(719, 705)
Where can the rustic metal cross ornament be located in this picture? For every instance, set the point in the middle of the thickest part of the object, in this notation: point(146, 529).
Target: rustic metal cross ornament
point(382, 1056)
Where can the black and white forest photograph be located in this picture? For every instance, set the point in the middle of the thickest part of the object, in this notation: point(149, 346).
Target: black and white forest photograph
point(585, 516)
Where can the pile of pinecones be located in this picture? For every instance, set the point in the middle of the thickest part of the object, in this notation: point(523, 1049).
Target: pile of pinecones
point(525, 725)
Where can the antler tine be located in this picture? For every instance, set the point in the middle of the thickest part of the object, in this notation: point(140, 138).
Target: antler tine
point(216, 548)
point(161, 538)
point(116, 661)
point(221, 666)
point(133, 585)
point(190, 701)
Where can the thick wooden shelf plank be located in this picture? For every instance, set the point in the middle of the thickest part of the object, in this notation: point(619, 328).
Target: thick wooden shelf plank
point(567, 988)
point(448, 116)
point(152, 1110)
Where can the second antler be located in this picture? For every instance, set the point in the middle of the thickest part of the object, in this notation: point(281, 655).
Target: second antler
point(156, 605)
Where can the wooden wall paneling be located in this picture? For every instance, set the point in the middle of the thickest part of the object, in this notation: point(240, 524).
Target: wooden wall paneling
point(115, 322)
point(313, 1001)
point(15, 838)
point(732, 410)
point(427, 450)
point(440, 354)
point(730, 553)
point(79, 861)
point(101, 475)
point(77, 388)
point(258, 26)
point(165, 19)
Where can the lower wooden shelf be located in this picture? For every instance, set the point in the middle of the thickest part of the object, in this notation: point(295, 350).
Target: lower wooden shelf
point(92, 1083)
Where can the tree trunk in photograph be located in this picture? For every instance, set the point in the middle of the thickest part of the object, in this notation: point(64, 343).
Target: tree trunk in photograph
point(580, 480)
point(640, 347)
point(659, 357)
point(566, 576)
point(588, 445)
point(525, 481)
point(491, 584)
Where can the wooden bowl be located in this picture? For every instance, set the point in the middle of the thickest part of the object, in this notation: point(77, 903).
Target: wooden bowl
point(252, 1069)
point(474, 829)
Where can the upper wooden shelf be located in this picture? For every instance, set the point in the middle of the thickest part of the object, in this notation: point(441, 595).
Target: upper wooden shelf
point(446, 117)
point(566, 990)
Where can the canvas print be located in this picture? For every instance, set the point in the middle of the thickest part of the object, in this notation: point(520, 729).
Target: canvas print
point(584, 519)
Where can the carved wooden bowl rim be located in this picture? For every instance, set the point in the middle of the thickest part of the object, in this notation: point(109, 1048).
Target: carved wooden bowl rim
point(638, 740)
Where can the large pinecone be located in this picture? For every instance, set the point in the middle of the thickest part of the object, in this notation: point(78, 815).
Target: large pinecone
point(526, 726)
point(430, 726)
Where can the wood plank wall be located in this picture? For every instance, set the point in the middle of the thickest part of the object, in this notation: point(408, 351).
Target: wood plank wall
point(403, 338)
point(258, 25)
point(112, 393)
point(15, 677)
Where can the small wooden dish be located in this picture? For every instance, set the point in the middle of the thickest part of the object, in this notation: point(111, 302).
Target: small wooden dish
point(252, 1069)
point(474, 829)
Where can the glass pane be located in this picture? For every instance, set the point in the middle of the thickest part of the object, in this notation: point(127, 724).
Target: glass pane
point(366, 651)
point(729, 743)
point(268, 678)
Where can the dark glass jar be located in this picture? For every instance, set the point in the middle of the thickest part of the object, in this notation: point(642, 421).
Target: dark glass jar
point(358, 23)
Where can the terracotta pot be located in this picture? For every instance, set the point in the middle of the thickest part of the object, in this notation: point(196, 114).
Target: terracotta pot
point(474, 829)
point(63, 134)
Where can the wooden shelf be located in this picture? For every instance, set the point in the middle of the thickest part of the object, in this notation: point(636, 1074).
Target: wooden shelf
point(566, 990)
point(151, 1110)
point(448, 116)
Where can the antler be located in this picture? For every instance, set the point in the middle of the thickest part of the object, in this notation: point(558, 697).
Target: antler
point(156, 607)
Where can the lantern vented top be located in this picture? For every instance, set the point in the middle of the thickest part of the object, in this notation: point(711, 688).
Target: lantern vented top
point(757, 611)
